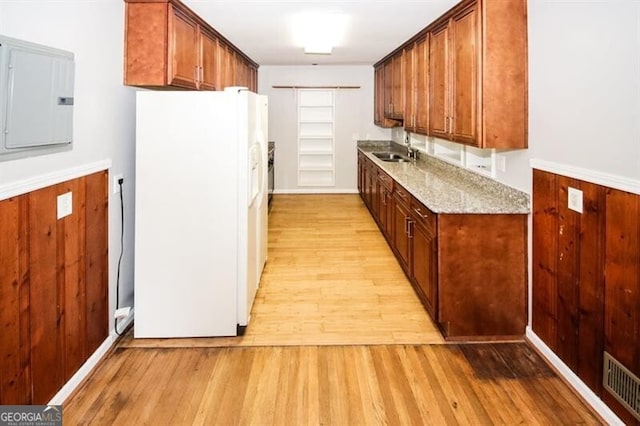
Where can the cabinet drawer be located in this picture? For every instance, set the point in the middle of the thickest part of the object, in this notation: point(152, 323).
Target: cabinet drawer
point(422, 216)
point(385, 180)
point(402, 195)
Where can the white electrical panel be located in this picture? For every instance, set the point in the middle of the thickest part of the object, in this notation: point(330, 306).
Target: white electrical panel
point(36, 99)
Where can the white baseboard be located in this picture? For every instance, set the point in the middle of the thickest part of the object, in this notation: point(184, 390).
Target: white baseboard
point(88, 366)
point(83, 372)
point(316, 191)
point(578, 385)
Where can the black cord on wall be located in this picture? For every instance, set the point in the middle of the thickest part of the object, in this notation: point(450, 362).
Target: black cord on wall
point(115, 321)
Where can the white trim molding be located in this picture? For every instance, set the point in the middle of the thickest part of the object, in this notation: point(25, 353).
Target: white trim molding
point(316, 191)
point(82, 373)
point(600, 178)
point(41, 181)
point(89, 365)
point(574, 381)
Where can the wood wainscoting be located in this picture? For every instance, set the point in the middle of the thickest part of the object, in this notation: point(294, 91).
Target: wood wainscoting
point(53, 287)
point(586, 277)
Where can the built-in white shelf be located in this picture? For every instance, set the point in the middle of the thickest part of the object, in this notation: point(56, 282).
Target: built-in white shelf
point(316, 151)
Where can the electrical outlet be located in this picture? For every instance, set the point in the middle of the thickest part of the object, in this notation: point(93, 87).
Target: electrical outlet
point(575, 200)
point(65, 205)
point(122, 313)
point(116, 185)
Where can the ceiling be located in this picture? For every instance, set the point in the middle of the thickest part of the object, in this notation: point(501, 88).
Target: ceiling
point(263, 29)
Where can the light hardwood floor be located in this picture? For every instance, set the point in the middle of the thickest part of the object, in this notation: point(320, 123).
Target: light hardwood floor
point(337, 337)
point(330, 279)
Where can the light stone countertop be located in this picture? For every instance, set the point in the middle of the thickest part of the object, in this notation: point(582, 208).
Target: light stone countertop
point(445, 188)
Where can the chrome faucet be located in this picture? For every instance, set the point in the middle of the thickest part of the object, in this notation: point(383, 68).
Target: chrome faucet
point(412, 153)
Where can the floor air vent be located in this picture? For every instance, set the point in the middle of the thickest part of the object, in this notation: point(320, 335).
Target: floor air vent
point(622, 384)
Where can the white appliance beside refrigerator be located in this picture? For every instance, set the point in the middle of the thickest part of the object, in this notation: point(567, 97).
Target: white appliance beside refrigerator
point(200, 211)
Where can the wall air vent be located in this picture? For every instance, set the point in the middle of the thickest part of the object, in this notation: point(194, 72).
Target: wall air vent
point(622, 384)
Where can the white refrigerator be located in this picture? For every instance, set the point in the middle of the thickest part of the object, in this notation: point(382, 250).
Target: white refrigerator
point(200, 211)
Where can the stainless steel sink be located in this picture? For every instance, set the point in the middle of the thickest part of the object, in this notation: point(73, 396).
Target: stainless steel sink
point(391, 157)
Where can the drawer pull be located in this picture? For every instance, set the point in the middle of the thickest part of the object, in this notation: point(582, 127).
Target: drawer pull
point(417, 210)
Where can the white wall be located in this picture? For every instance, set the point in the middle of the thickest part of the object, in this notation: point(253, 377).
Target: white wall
point(353, 119)
point(584, 84)
point(104, 110)
point(584, 89)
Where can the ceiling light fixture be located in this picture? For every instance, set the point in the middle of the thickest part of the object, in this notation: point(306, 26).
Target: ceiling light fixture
point(318, 33)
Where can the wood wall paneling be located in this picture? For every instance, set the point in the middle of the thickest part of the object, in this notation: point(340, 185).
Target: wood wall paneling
point(46, 342)
point(591, 286)
point(14, 302)
point(622, 288)
point(97, 267)
point(544, 270)
point(568, 275)
point(586, 277)
point(53, 287)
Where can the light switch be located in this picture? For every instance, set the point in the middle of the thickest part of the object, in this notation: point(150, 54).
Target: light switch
point(65, 205)
point(575, 200)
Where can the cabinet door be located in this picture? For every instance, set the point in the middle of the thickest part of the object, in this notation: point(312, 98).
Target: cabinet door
point(439, 83)
point(409, 88)
point(183, 50)
point(383, 200)
point(208, 61)
point(465, 45)
point(378, 96)
point(360, 174)
point(421, 72)
point(388, 88)
point(401, 231)
point(368, 185)
point(388, 207)
point(375, 191)
point(397, 95)
point(424, 266)
point(225, 66)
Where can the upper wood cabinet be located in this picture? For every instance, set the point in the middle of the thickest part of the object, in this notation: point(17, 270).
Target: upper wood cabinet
point(454, 84)
point(393, 88)
point(409, 88)
point(167, 45)
point(421, 85)
point(382, 96)
point(476, 75)
point(439, 82)
point(209, 60)
point(416, 90)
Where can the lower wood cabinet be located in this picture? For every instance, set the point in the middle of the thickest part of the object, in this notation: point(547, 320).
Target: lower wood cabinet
point(401, 242)
point(469, 270)
point(53, 287)
point(424, 255)
point(385, 203)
